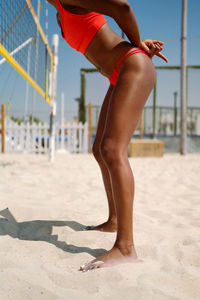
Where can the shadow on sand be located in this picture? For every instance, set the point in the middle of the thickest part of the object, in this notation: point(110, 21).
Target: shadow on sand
point(39, 230)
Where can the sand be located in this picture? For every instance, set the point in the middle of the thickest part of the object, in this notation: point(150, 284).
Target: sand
point(44, 206)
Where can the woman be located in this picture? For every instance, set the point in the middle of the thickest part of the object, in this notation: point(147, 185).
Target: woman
point(131, 73)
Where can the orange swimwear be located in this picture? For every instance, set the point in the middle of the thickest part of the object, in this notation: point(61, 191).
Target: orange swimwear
point(79, 30)
point(125, 54)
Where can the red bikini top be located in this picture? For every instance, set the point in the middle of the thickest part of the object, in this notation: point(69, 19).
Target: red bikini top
point(79, 30)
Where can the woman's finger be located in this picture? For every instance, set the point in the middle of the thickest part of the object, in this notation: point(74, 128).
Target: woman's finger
point(145, 48)
point(162, 56)
point(159, 42)
point(158, 47)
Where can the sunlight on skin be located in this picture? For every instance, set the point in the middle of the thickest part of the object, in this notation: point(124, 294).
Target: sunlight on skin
point(111, 258)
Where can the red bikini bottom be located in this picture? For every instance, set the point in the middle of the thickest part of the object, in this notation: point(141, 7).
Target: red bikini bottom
point(114, 75)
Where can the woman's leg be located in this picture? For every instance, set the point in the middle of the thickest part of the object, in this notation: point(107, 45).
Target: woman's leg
point(111, 224)
point(134, 84)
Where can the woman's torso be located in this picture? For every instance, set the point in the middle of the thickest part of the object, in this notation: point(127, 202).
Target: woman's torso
point(106, 46)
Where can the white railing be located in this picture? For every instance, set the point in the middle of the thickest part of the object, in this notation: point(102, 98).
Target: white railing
point(72, 137)
point(34, 138)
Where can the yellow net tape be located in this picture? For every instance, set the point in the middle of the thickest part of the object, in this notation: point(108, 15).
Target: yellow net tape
point(20, 30)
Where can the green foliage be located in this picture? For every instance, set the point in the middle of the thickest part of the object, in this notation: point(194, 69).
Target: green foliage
point(29, 120)
point(81, 113)
point(17, 120)
point(35, 120)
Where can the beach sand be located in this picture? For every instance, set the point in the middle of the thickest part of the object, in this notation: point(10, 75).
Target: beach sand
point(44, 206)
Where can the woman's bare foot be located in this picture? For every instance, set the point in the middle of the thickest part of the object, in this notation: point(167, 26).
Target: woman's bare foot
point(117, 255)
point(109, 226)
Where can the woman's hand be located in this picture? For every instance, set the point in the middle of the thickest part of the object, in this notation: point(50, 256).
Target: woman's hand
point(153, 47)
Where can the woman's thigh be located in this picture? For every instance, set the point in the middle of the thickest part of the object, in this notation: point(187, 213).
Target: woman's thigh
point(135, 81)
point(102, 118)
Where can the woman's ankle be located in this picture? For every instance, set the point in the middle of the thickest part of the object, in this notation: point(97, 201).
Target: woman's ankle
point(112, 219)
point(126, 248)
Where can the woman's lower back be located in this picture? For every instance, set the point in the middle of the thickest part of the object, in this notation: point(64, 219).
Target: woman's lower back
point(105, 49)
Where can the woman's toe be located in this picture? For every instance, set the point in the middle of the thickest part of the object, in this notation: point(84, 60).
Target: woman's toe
point(91, 266)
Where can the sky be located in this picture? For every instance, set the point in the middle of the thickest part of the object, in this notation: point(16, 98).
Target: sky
point(157, 19)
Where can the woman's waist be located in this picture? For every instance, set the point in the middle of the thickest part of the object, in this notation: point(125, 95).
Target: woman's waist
point(105, 49)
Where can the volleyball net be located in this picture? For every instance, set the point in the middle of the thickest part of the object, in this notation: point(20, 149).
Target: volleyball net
point(23, 44)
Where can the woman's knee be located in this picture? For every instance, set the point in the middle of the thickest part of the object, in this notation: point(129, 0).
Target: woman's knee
point(96, 151)
point(110, 152)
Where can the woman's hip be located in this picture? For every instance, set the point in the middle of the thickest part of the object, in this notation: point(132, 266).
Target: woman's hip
point(127, 53)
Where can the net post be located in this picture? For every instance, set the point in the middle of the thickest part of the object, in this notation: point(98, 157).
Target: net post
point(55, 43)
point(175, 113)
point(36, 58)
point(183, 88)
point(46, 73)
point(62, 121)
point(27, 85)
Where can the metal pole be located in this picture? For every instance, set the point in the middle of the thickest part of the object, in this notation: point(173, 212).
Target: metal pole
point(183, 142)
point(2, 128)
point(36, 57)
point(47, 22)
point(90, 126)
point(175, 113)
point(46, 52)
point(30, 40)
point(62, 121)
point(81, 113)
point(27, 84)
point(55, 43)
point(154, 110)
point(191, 119)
